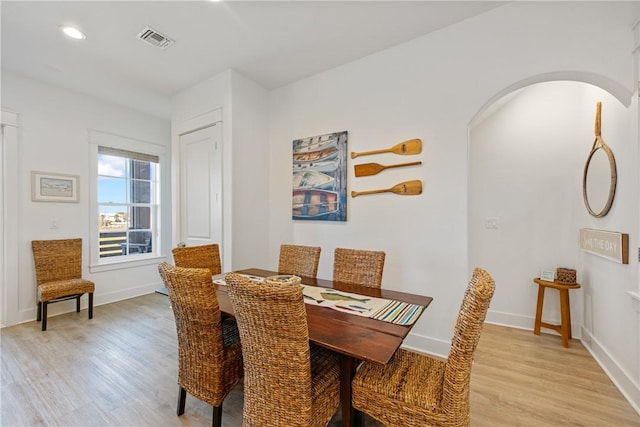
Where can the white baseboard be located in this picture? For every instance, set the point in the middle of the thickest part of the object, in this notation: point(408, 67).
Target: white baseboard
point(441, 347)
point(29, 314)
point(428, 345)
point(629, 389)
point(125, 294)
point(527, 322)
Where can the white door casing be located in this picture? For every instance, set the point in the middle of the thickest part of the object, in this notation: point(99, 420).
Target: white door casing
point(9, 184)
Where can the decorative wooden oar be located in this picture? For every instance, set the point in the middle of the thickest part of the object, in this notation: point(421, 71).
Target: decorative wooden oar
point(367, 169)
point(407, 188)
point(410, 146)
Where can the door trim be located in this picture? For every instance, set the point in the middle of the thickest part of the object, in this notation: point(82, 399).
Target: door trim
point(9, 215)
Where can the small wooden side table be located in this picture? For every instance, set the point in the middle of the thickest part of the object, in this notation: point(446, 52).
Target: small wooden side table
point(565, 310)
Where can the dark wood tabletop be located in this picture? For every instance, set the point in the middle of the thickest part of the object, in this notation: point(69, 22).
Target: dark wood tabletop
point(353, 337)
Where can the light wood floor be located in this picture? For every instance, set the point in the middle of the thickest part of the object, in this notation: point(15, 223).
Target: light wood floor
point(119, 369)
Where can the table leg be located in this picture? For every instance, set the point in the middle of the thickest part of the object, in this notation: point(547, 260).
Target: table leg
point(565, 317)
point(350, 416)
point(536, 328)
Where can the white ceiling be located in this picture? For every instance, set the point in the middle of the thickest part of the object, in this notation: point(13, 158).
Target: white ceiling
point(271, 42)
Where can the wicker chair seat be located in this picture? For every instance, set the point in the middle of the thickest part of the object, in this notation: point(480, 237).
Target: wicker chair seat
point(287, 381)
point(209, 349)
point(59, 275)
point(409, 385)
point(63, 288)
point(217, 386)
point(417, 390)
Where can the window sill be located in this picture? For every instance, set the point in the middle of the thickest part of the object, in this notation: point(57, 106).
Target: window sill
point(122, 264)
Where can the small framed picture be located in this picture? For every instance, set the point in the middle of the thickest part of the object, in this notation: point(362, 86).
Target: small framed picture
point(54, 187)
point(547, 275)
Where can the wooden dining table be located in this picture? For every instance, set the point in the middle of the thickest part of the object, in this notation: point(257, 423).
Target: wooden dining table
point(354, 338)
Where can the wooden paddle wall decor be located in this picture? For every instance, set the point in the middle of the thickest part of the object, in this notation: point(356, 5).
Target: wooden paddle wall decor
point(367, 169)
point(406, 188)
point(408, 147)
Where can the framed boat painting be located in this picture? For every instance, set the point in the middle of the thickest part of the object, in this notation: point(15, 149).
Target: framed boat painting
point(320, 177)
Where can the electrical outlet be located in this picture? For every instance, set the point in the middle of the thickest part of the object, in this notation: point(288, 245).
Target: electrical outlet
point(491, 223)
point(54, 224)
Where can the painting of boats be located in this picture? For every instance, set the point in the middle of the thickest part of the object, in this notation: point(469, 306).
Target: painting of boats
point(315, 143)
point(323, 166)
point(314, 204)
point(312, 179)
point(320, 177)
point(316, 156)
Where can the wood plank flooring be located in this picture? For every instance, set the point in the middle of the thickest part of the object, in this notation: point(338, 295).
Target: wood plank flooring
point(120, 369)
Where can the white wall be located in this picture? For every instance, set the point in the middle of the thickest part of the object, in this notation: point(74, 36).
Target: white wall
point(431, 88)
point(250, 179)
point(53, 137)
point(244, 172)
point(525, 168)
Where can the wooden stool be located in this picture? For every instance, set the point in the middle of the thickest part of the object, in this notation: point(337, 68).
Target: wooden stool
point(565, 310)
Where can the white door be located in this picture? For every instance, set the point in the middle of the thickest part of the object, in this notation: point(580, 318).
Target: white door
point(200, 186)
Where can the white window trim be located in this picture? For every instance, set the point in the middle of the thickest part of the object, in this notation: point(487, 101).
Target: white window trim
point(98, 138)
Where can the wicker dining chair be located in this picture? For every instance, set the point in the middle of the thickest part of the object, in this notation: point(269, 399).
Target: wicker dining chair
point(358, 267)
point(204, 256)
point(299, 260)
point(417, 390)
point(288, 382)
point(59, 275)
point(209, 352)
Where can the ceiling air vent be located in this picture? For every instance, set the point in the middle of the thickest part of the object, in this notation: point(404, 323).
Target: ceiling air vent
point(154, 38)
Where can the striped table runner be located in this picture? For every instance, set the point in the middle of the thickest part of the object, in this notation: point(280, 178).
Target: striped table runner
point(398, 312)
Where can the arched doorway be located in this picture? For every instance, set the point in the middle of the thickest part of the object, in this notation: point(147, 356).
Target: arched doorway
point(526, 156)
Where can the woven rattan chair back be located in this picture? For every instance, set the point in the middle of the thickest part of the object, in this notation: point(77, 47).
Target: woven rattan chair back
point(358, 267)
point(457, 375)
point(204, 256)
point(299, 260)
point(275, 343)
point(209, 355)
point(57, 260)
point(58, 266)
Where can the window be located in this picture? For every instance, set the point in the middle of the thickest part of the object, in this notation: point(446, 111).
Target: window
point(126, 201)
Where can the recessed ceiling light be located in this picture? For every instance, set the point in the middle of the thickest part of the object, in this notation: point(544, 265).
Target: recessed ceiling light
point(72, 32)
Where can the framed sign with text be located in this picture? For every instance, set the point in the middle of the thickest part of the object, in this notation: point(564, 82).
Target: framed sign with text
point(607, 244)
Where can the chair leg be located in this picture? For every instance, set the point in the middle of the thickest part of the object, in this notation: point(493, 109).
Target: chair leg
point(78, 303)
point(44, 315)
point(91, 305)
point(565, 317)
point(538, 322)
point(217, 416)
point(39, 317)
point(182, 396)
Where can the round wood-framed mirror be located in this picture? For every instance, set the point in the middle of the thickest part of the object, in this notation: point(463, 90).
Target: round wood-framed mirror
point(599, 181)
point(600, 175)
